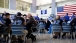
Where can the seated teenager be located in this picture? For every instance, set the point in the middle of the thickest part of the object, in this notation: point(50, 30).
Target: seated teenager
point(58, 21)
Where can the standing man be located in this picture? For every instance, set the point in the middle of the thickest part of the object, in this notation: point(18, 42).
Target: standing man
point(37, 18)
point(7, 22)
point(72, 17)
point(66, 17)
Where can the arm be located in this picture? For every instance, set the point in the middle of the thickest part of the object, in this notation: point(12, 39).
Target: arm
point(24, 23)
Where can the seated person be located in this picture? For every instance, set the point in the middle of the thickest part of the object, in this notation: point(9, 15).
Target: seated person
point(58, 21)
point(41, 25)
point(73, 24)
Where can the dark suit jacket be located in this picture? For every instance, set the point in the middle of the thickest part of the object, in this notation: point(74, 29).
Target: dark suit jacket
point(73, 24)
point(48, 24)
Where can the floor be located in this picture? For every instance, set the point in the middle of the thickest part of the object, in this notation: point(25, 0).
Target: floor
point(47, 38)
point(56, 41)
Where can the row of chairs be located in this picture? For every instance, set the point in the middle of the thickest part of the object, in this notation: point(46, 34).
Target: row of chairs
point(17, 30)
point(64, 29)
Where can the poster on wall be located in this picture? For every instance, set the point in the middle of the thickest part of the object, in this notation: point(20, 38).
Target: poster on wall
point(43, 12)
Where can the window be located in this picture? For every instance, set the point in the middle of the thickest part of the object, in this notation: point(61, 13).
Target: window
point(23, 6)
point(2, 3)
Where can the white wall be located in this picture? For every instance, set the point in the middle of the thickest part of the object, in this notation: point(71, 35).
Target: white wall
point(44, 6)
point(68, 2)
point(43, 2)
point(49, 12)
point(44, 15)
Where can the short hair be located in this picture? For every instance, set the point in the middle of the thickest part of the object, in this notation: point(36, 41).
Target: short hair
point(7, 14)
point(24, 15)
point(41, 18)
point(67, 14)
point(19, 14)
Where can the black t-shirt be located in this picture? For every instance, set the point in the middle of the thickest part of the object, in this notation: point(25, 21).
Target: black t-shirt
point(7, 21)
point(19, 21)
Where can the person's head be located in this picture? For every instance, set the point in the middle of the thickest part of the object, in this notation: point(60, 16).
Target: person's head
point(73, 13)
point(25, 16)
point(4, 12)
point(57, 17)
point(29, 15)
point(7, 15)
point(19, 14)
point(41, 19)
point(37, 14)
point(67, 14)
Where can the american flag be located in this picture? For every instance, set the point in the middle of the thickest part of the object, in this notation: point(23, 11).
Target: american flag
point(70, 9)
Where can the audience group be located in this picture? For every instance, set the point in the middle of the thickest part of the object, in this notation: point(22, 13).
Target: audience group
point(28, 21)
point(67, 20)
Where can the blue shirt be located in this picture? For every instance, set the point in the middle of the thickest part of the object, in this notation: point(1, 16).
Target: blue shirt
point(72, 17)
point(66, 17)
point(37, 18)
